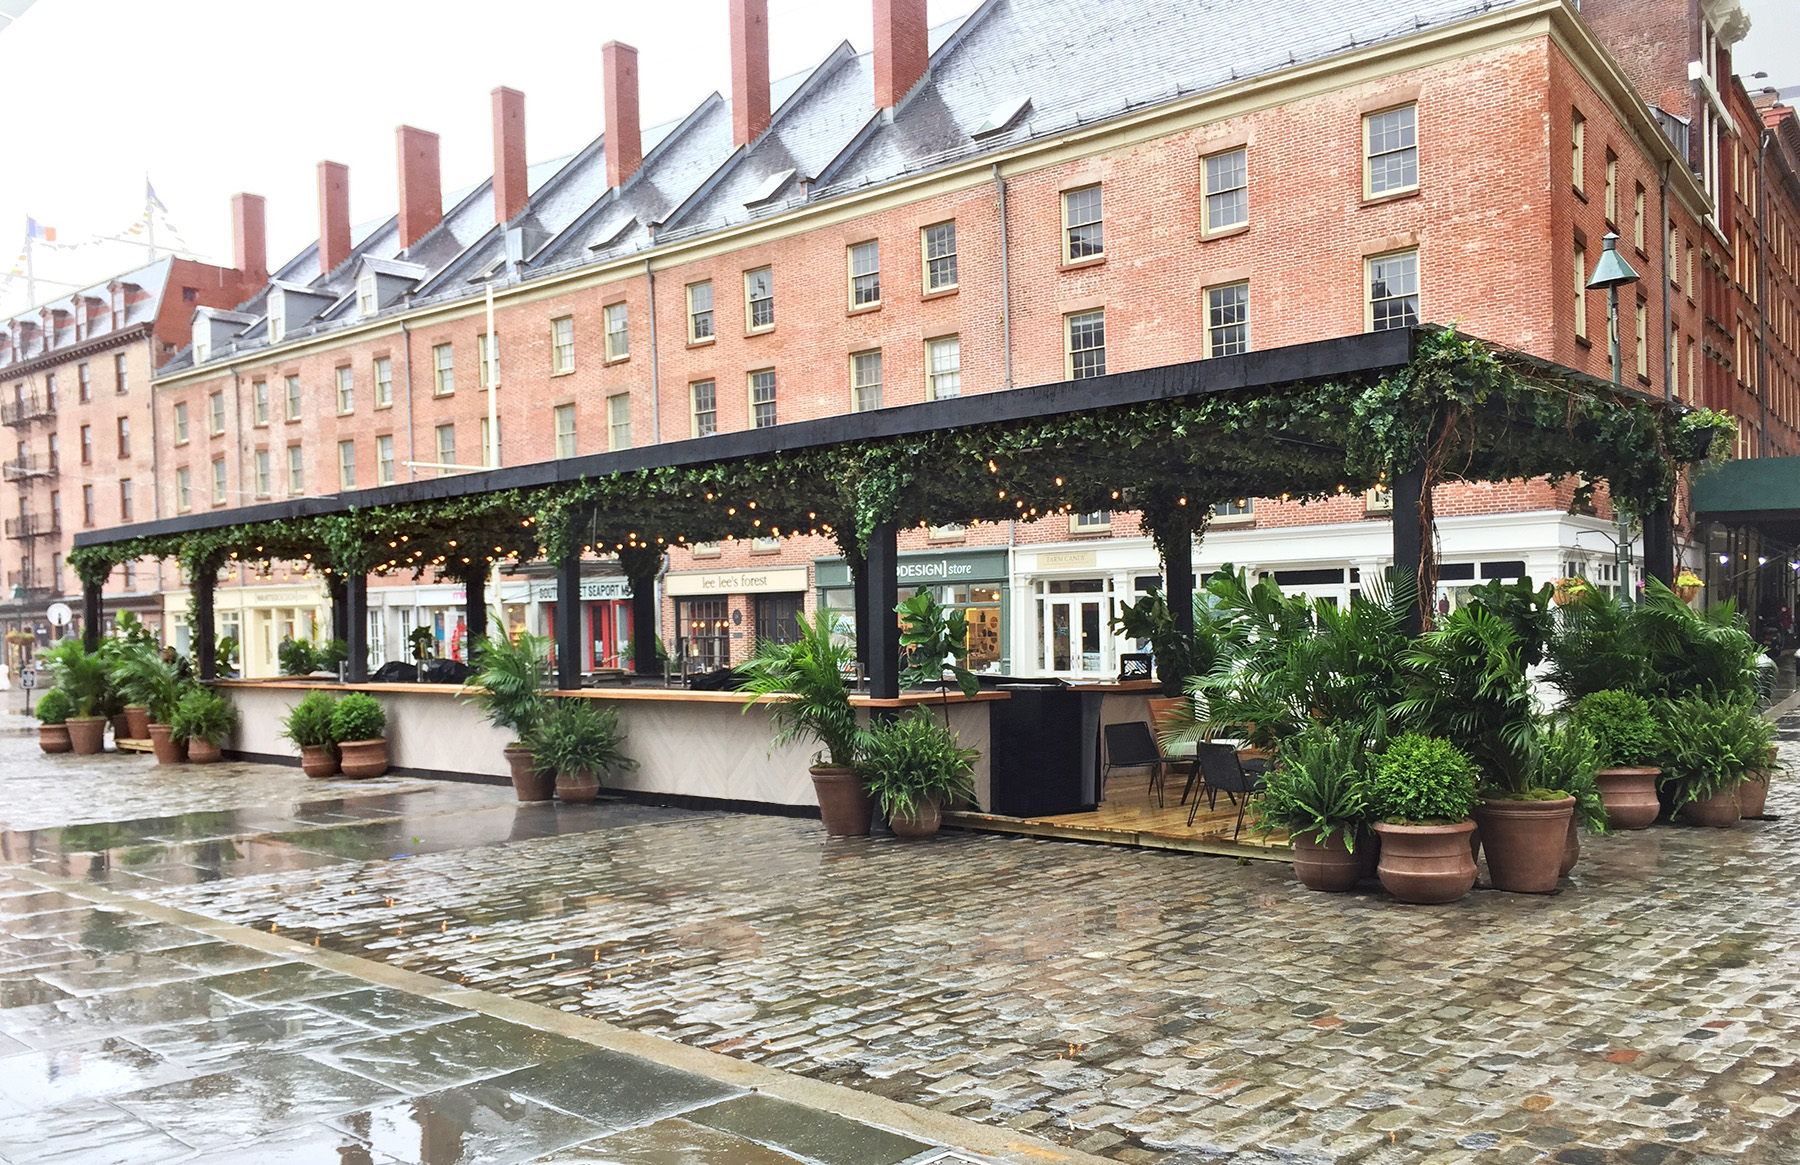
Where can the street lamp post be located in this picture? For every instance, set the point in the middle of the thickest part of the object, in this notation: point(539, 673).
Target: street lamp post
point(1612, 273)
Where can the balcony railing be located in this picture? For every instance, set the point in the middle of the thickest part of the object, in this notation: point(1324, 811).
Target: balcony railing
point(24, 585)
point(32, 526)
point(24, 468)
point(24, 409)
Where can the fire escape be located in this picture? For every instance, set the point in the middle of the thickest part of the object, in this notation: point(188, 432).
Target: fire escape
point(38, 524)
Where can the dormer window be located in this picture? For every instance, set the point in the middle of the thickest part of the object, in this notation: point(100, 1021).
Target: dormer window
point(277, 318)
point(367, 301)
point(202, 341)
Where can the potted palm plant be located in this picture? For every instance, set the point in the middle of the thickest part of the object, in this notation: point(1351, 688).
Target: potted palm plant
point(82, 674)
point(1626, 745)
point(202, 721)
point(576, 741)
point(509, 688)
point(802, 684)
point(53, 715)
point(149, 682)
point(1318, 794)
point(1422, 794)
point(308, 725)
point(914, 766)
point(357, 724)
point(130, 689)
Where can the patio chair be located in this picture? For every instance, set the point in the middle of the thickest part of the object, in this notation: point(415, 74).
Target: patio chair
point(1219, 767)
point(1131, 746)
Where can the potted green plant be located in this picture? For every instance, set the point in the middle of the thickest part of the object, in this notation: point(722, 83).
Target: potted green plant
point(803, 687)
point(1567, 761)
point(1756, 748)
point(53, 709)
point(296, 657)
point(1422, 793)
point(154, 685)
point(509, 688)
point(202, 721)
point(82, 674)
point(1626, 745)
point(913, 766)
point(1702, 761)
point(357, 725)
point(308, 725)
point(130, 689)
point(576, 741)
point(1317, 792)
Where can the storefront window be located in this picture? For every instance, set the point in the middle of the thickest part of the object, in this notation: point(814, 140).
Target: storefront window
point(703, 629)
point(1075, 627)
point(980, 605)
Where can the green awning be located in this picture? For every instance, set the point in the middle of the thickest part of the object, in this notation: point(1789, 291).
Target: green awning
point(1761, 493)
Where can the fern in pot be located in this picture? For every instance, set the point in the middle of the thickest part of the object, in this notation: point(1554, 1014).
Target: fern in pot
point(914, 766)
point(802, 685)
point(308, 725)
point(575, 742)
point(1317, 793)
point(151, 687)
point(357, 726)
point(509, 688)
point(202, 722)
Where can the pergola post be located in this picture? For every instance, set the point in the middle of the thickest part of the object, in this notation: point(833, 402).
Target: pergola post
point(90, 615)
point(1178, 582)
point(645, 625)
point(882, 638)
point(1409, 543)
point(859, 607)
point(356, 627)
point(340, 604)
point(1659, 544)
point(475, 612)
point(206, 654)
point(568, 621)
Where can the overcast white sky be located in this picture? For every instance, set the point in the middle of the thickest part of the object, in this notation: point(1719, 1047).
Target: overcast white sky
point(210, 97)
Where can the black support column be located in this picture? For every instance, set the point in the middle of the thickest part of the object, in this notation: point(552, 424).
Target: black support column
point(340, 606)
point(1178, 578)
point(1409, 543)
point(1659, 544)
point(356, 627)
point(882, 638)
point(859, 608)
point(568, 622)
point(90, 615)
point(646, 625)
point(475, 612)
point(206, 653)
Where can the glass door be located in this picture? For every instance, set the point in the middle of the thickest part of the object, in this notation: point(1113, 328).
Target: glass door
point(1075, 636)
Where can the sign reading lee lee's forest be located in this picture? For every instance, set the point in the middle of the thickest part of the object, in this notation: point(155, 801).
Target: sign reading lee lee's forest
point(736, 582)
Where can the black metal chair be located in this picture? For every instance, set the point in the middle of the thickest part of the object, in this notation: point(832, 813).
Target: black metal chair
point(1131, 746)
point(1218, 765)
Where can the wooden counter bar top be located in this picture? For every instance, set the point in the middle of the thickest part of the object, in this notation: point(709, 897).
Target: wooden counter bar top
point(658, 695)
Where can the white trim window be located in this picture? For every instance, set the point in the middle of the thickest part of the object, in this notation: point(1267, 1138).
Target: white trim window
point(384, 459)
point(700, 311)
point(259, 403)
point(277, 318)
point(181, 423)
point(1093, 522)
point(346, 464)
point(261, 463)
point(368, 302)
point(487, 360)
point(446, 447)
point(1084, 334)
point(1228, 190)
point(218, 481)
point(1581, 320)
point(1083, 234)
point(1578, 151)
point(564, 416)
point(865, 381)
point(384, 382)
point(762, 399)
point(184, 498)
point(1228, 319)
point(346, 391)
point(618, 421)
point(865, 274)
point(1392, 284)
point(215, 413)
point(296, 471)
point(562, 345)
point(1391, 151)
point(703, 397)
point(938, 246)
point(943, 368)
point(293, 398)
point(759, 299)
point(443, 369)
point(617, 318)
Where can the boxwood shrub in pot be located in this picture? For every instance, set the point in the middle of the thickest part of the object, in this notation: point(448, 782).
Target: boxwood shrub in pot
point(1317, 792)
point(1627, 745)
point(577, 741)
point(802, 686)
point(52, 712)
point(202, 721)
point(357, 725)
point(308, 725)
point(1422, 793)
point(914, 766)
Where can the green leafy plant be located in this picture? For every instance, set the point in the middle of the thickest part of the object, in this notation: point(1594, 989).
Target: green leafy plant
point(803, 685)
point(225, 654)
point(1708, 746)
point(82, 674)
point(1624, 730)
point(332, 653)
point(1708, 653)
point(296, 657)
point(54, 707)
point(423, 641)
point(914, 760)
point(308, 723)
point(1524, 608)
point(144, 679)
point(1597, 647)
point(358, 716)
point(1423, 780)
point(1466, 683)
point(575, 734)
point(934, 640)
point(1318, 788)
point(1567, 760)
point(511, 681)
point(203, 714)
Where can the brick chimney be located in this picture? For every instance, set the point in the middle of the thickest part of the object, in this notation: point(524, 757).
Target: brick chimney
point(334, 215)
point(510, 186)
point(421, 193)
point(902, 49)
point(250, 245)
point(749, 70)
point(624, 137)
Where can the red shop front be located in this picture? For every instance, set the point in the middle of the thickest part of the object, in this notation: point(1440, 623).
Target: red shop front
point(605, 615)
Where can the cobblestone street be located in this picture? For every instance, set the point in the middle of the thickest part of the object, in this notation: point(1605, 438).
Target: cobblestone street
point(1139, 1006)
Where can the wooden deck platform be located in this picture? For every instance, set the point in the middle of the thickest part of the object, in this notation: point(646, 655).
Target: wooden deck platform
point(1130, 816)
point(127, 744)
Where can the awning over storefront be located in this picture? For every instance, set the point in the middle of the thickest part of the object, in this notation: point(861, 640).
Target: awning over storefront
point(1759, 493)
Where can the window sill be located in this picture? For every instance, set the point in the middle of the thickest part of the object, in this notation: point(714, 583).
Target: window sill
point(571, 371)
point(763, 331)
point(706, 343)
point(1079, 264)
point(1579, 193)
point(1092, 532)
point(1233, 520)
point(291, 421)
point(1584, 341)
point(941, 292)
point(1391, 196)
point(1225, 233)
point(863, 308)
point(178, 445)
point(385, 407)
point(606, 363)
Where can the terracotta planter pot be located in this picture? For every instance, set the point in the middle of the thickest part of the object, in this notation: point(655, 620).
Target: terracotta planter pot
point(1688, 593)
point(87, 734)
point(1426, 864)
point(318, 761)
point(137, 722)
point(169, 751)
point(363, 758)
point(1330, 867)
point(1630, 796)
point(202, 751)
point(577, 786)
point(121, 728)
point(843, 802)
point(1720, 811)
point(1753, 795)
point(53, 737)
point(918, 826)
point(1524, 841)
point(1571, 847)
point(528, 784)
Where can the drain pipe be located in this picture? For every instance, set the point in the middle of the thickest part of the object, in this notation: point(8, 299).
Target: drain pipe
point(1005, 281)
point(412, 457)
point(1762, 288)
point(655, 378)
point(1668, 274)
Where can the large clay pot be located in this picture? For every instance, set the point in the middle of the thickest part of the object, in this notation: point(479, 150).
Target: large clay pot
point(202, 751)
point(318, 761)
point(53, 737)
point(1571, 847)
point(87, 734)
point(137, 722)
point(169, 751)
point(363, 758)
point(1426, 864)
point(1329, 866)
point(843, 802)
point(528, 783)
point(917, 826)
point(577, 786)
point(121, 728)
point(1753, 795)
point(1368, 849)
point(1720, 811)
point(1630, 797)
point(1524, 842)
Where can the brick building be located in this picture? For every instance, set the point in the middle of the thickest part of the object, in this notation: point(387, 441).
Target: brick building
point(964, 210)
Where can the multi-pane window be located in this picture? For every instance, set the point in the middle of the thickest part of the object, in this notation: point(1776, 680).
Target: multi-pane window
point(1578, 152)
point(55, 448)
point(121, 378)
point(293, 398)
point(940, 256)
point(259, 403)
point(704, 398)
point(218, 481)
point(296, 471)
point(1580, 292)
point(1228, 320)
point(87, 505)
point(762, 399)
point(564, 417)
point(865, 381)
point(443, 369)
point(125, 499)
point(346, 464)
point(346, 391)
point(618, 331)
point(943, 368)
point(367, 301)
point(215, 413)
point(700, 311)
point(618, 421)
point(1082, 233)
point(1092, 522)
point(490, 451)
point(1228, 190)
point(1085, 335)
point(384, 459)
point(124, 436)
point(184, 498)
point(50, 390)
point(84, 383)
point(1391, 150)
point(277, 319)
point(446, 448)
point(865, 274)
point(261, 463)
point(87, 444)
point(181, 423)
point(1637, 217)
point(1393, 282)
point(1611, 199)
point(759, 299)
point(562, 344)
point(1643, 339)
point(384, 382)
point(487, 359)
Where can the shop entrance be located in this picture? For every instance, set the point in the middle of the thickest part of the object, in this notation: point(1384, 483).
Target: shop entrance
point(1075, 637)
point(703, 634)
point(778, 618)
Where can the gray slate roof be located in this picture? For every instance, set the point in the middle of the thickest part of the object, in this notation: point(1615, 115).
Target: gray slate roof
point(141, 306)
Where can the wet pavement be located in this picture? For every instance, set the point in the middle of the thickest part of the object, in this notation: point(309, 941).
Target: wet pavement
point(1139, 1006)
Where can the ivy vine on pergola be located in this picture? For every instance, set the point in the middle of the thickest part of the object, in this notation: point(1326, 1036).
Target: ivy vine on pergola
point(1407, 409)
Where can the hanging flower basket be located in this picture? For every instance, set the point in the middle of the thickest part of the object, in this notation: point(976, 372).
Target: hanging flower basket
point(1687, 585)
point(1570, 589)
point(20, 638)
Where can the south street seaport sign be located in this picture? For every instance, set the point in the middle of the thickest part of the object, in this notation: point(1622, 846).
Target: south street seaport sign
point(592, 589)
